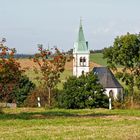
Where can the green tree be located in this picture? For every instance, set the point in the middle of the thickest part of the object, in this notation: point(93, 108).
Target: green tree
point(83, 92)
point(126, 52)
point(22, 90)
point(51, 65)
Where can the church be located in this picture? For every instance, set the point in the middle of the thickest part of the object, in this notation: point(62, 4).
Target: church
point(81, 65)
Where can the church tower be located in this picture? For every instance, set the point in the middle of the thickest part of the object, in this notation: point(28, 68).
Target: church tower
point(80, 54)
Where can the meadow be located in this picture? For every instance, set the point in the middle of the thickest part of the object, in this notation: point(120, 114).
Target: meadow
point(98, 58)
point(61, 124)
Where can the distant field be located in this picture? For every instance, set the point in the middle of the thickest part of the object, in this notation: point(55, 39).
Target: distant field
point(29, 65)
point(61, 124)
point(98, 58)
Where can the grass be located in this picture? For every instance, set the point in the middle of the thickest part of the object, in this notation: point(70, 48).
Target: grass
point(98, 58)
point(32, 76)
point(64, 76)
point(61, 124)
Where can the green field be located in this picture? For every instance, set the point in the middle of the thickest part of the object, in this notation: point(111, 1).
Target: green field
point(98, 58)
point(41, 124)
point(32, 76)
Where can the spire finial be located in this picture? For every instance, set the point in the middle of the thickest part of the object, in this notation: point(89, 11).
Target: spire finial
point(80, 21)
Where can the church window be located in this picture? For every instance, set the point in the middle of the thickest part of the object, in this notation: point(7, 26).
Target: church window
point(81, 61)
point(84, 61)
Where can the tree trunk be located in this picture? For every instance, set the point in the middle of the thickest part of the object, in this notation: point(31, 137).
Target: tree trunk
point(132, 91)
point(132, 97)
point(132, 102)
point(132, 94)
point(49, 96)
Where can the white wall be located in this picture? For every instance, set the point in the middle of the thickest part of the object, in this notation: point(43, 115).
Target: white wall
point(78, 71)
point(77, 57)
point(77, 68)
point(117, 92)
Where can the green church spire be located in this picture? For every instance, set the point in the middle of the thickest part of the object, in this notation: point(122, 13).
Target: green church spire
point(81, 33)
point(81, 46)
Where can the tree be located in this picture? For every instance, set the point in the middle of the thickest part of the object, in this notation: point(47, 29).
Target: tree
point(51, 64)
point(83, 92)
point(10, 71)
point(126, 52)
point(22, 90)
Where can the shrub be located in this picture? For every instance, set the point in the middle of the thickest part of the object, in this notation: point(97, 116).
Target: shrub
point(126, 103)
point(41, 92)
point(22, 90)
point(83, 92)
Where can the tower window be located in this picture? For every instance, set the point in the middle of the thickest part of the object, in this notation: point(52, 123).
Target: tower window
point(82, 61)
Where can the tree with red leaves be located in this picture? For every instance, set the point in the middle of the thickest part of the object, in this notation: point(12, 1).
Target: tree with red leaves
point(10, 72)
point(51, 64)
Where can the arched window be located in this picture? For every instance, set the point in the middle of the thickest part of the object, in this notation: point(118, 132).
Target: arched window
point(84, 61)
point(81, 61)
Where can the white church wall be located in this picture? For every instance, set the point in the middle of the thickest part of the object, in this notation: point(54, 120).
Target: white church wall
point(79, 68)
point(117, 92)
point(77, 58)
point(77, 71)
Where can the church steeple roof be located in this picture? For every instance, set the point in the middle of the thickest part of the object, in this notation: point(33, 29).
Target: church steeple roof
point(81, 46)
point(81, 33)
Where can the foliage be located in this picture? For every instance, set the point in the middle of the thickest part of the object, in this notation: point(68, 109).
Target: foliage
point(126, 52)
point(51, 65)
point(41, 92)
point(22, 90)
point(31, 100)
point(83, 92)
point(10, 72)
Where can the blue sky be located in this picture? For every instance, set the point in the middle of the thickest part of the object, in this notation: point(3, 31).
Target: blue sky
point(26, 23)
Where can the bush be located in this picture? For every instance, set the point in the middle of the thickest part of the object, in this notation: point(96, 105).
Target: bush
point(82, 92)
point(126, 103)
point(41, 92)
point(22, 90)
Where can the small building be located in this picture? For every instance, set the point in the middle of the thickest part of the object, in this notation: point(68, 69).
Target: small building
point(111, 85)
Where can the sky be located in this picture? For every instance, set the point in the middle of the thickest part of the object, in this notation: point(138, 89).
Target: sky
point(26, 23)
